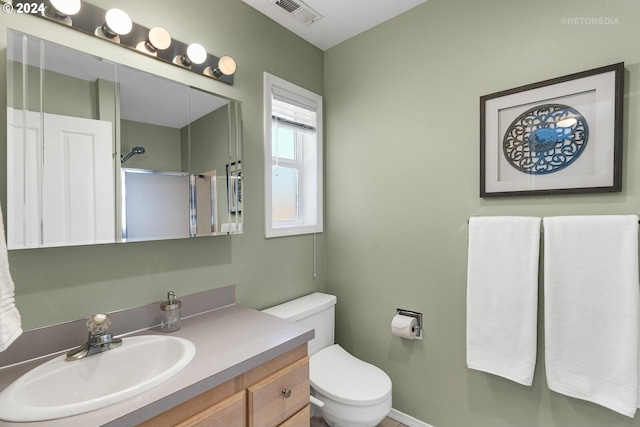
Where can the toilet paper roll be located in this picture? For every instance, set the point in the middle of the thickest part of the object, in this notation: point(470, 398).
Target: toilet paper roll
point(404, 326)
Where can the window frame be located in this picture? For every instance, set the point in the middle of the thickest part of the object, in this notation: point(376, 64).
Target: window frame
point(311, 199)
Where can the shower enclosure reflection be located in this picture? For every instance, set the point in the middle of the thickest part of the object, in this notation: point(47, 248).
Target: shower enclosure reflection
point(150, 162)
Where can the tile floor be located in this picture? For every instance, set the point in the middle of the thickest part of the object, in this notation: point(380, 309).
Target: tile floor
point(387, 422)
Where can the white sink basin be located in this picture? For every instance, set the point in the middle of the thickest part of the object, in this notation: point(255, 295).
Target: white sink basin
point(61, 388)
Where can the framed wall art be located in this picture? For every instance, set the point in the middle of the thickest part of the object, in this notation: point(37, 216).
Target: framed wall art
point(557, 136)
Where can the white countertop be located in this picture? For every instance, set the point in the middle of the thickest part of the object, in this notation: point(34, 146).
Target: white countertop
point(229, 342)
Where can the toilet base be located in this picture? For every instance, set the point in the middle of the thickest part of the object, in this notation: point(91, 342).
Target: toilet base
point(341, 415)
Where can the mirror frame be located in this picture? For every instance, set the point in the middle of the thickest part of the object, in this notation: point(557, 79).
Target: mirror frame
point(233, 149)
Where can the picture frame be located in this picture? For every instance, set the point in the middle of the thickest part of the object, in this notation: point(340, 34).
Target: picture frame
point(557, 136)
point(234, 187)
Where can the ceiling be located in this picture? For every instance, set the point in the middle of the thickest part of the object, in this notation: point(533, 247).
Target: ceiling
point(340, 19)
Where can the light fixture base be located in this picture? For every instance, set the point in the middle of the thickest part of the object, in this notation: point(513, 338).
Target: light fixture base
point(213, 72)
point(107, 35)
point(92, 15)
point(51, 13)
point(143, 47)
point(182, 61)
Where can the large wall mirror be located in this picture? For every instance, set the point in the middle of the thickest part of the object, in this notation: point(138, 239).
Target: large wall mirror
point(99, 152)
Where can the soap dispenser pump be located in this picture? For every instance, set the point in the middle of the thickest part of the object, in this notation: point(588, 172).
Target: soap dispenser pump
point(170, 310)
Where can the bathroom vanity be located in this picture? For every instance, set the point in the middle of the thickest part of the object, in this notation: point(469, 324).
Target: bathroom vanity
point(250, 369)
point(273, 394)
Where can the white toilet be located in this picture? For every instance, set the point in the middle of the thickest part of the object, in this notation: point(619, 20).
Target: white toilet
point(354, 393)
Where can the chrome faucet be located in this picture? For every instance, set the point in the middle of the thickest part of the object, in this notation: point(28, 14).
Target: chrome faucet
point(98, 341)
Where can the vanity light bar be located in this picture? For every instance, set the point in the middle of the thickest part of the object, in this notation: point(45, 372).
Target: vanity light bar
point(155, 42)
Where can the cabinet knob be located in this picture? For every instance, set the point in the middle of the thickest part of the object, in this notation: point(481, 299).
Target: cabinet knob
point(286, 393)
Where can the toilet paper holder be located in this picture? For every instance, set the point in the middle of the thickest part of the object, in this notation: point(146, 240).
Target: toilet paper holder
point(417, 316)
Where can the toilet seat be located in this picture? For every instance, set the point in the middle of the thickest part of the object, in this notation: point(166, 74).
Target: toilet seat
point(344, 378)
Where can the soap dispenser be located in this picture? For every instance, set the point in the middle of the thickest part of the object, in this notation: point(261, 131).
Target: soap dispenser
point(170, 311)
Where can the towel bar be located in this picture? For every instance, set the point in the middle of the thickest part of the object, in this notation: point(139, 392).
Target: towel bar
point(468, 219)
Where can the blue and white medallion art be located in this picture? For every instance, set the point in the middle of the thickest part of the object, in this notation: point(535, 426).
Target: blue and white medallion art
point(545, 139)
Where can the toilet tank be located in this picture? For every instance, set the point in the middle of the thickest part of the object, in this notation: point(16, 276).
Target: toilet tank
point(316, 311)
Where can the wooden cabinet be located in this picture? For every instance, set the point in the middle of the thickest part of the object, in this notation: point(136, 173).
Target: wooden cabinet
point(279, 396)
point(275, 394)
point(228, 413)
point(301, 419)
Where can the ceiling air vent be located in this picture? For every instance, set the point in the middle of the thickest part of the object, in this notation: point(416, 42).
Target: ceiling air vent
point(302, 12)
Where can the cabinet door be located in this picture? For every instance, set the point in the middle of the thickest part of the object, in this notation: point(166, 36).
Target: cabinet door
point(280, 395)
point(61, 192)
point(228, 413)
point(301, 419)
point(78, 199)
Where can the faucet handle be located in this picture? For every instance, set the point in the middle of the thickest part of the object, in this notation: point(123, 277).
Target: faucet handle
point(98, 323)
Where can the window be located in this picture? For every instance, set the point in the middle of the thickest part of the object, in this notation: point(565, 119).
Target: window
point(293, 159)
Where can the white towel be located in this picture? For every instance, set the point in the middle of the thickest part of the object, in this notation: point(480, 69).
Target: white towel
point(502, 296)
point(591, 309)
point(10, 323)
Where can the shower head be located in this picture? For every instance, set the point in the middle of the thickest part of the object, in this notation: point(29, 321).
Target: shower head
point(134, 150)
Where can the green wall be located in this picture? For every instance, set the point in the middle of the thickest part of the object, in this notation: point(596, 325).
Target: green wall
point(162, 146)
point(60, 284)
point(209, 142)
point(63, 95)
point(402, 168)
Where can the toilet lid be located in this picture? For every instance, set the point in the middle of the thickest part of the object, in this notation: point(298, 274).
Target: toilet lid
point(346, 379)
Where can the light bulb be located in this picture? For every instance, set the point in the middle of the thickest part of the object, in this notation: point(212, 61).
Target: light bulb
point(159, 38)
point(196, 53)
point(66, 7)
point(227, 65)
point(118, 21)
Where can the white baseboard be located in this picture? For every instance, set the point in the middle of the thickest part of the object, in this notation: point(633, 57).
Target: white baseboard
point(405, 419)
